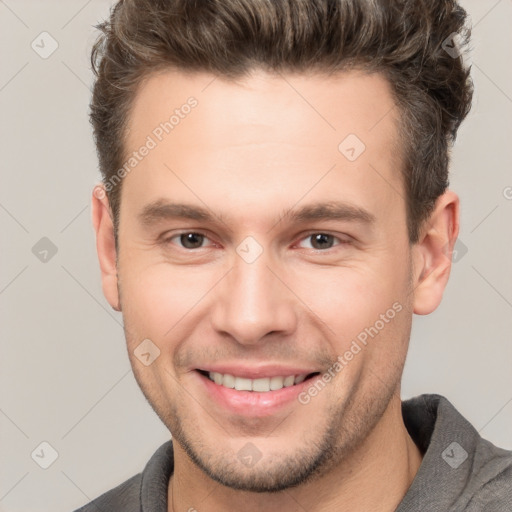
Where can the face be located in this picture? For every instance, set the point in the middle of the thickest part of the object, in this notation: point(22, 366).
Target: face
point(261, 248)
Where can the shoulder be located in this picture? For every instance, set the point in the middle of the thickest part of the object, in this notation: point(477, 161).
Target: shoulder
point(460, 470)
point(492, 479)
point(144, 491)
point(125, 496)
point(485, 470)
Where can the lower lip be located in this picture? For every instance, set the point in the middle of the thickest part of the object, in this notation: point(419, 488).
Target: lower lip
point(253, 403)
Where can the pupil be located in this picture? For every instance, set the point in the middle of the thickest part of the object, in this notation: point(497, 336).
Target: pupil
point(191, 240)
point(321, 238)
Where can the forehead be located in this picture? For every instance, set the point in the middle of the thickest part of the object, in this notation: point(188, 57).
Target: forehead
point(337, 104)
point(265, 136)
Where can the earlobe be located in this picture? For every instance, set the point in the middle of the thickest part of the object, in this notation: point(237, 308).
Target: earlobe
point(105, 245)
point(432, 254)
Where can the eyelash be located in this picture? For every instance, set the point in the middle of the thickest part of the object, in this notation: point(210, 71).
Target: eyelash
point(309, 235)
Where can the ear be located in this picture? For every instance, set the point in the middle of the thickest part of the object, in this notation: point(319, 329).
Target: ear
point(105, 245)
point(433, 254)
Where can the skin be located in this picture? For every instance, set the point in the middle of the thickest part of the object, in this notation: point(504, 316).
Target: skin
point(250, 151)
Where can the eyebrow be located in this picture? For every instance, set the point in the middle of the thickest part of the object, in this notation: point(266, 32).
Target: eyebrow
point(162, 210)
point(333, 210)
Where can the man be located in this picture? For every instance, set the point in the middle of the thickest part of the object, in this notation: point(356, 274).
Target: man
point(274, 209)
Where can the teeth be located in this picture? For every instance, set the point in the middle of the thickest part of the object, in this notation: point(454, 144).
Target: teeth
point(276, 383)
point(228, 381)
point(261, 385)
point(289, 381)
point(243, 384)
point(299, 379)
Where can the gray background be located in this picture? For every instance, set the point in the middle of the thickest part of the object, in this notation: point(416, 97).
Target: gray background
point(65, 377)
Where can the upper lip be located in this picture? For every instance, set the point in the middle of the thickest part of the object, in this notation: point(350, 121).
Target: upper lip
point(258, 372)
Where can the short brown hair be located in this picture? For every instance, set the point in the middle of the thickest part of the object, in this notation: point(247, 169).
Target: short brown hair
point(405, 40)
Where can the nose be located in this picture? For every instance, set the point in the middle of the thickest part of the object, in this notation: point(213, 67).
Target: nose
point(253, 302)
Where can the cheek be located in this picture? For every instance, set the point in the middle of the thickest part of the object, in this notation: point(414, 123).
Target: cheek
point(156, 299)
point(364, 314)
point(348, 298)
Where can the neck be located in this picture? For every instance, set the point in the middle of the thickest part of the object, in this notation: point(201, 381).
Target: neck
point(361, 481)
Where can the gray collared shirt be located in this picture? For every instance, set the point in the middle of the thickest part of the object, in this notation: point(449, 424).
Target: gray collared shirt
point(460, 471)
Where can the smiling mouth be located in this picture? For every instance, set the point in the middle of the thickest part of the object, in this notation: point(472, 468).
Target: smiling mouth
point(261, 385)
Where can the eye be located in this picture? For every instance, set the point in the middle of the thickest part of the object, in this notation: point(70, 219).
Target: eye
point(189, 240)
point(322, 241)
